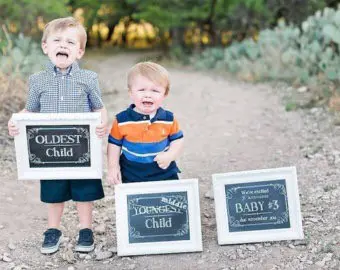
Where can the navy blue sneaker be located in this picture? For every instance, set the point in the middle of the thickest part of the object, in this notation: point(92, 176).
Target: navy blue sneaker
point(51, 241)
point(85, 241)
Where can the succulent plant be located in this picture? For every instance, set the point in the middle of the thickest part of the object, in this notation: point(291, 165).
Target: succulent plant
point(286, 52)
point(20, 56)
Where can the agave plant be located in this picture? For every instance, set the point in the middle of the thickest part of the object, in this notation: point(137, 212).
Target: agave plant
point(286, 52)
point(20, 56)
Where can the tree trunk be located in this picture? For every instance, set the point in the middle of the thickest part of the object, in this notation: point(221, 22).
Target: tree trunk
point(177, 37)
point(111, 26)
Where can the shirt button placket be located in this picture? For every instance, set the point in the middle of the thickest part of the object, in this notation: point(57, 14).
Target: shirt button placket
point(146, 125)
point(63, 91)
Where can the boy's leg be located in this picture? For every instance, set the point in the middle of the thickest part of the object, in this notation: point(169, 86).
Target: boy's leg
point(84, 192)
point(55, 211)
point(54, 193)
point(53, 234)
point(85, 214)
point(85, 239)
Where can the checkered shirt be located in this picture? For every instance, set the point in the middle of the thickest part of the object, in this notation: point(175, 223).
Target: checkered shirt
point(75, 91)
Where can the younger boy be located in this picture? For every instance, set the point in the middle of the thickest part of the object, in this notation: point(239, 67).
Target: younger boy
point(145, 139)
point(65, 88)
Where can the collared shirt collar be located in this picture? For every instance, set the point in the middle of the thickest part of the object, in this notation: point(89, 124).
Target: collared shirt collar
point(160, 114)
point(69, 71)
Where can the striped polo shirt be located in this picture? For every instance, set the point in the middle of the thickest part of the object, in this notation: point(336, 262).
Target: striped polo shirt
point(141, 139)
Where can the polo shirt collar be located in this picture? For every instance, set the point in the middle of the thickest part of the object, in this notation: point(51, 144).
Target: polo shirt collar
point(160, 114)
point(69, 71)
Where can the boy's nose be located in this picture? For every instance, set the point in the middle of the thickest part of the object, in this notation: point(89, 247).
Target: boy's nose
point(63, 44)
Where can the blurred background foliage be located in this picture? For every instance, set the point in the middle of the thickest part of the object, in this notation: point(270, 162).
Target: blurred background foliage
point(152, 23)
point(293, 40)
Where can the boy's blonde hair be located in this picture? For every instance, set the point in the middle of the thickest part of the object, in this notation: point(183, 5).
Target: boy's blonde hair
point(152, 71)
point(62, 24)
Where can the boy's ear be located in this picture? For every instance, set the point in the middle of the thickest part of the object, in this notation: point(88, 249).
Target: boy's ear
point(80, 53)
point(44, 47)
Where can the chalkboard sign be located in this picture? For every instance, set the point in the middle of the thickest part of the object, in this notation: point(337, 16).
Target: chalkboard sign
point(158, 217)
point(261, 205)
point(257, 206)
point(58, 146)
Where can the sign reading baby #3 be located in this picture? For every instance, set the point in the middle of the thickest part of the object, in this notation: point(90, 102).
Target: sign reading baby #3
point(58, 146)
point(255, 206)
point(158, 217)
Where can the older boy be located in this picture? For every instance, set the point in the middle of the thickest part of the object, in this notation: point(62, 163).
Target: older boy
point(145, 139)
point(65, 88)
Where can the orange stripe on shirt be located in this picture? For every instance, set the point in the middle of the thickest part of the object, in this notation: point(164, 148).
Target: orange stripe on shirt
point(144, 132)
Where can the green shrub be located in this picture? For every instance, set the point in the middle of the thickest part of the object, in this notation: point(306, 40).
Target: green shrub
point(20, 55)
point(209, 58)
point(287, 52)
point(180, 54)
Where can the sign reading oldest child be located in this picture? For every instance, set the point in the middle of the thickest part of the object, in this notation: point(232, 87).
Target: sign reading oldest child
point(255, 206)
point(158, 217)
point(58, 146)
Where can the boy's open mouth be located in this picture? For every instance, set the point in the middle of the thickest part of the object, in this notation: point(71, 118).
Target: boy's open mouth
point(147, 103)
point(62, 54)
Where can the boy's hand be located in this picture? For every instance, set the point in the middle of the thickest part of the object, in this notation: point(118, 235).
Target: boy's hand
point(163, 160)
point(114, 176)
point(13, 130)
point(101, 130)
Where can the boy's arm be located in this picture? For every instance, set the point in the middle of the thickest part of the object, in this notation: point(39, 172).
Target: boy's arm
point(165, 158)
point(94, 95)
point(13, 130)
point(113, 168)
point(175, 148)
point(114, 147)
point(101, 130)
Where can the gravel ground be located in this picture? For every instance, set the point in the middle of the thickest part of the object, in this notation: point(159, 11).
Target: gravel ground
point(228, 126)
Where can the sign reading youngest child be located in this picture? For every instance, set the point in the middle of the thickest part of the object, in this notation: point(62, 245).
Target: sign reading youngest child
point(158, 217)
point(257, 206)
point(57, 146)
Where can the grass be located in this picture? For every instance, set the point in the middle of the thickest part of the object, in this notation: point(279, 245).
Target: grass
point(291, 106)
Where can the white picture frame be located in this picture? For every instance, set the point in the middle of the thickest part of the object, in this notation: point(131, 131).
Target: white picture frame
point(137, 231)
point(247, 210)
point(42, 154)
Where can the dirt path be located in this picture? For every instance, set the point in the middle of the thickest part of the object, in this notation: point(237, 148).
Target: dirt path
point(228, 126)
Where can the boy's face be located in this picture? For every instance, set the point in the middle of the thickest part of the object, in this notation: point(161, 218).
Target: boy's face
point(63, 47)
point(146, 95)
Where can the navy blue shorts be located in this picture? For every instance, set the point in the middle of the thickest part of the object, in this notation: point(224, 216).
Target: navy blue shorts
point(172, 177)
point(82, 190)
